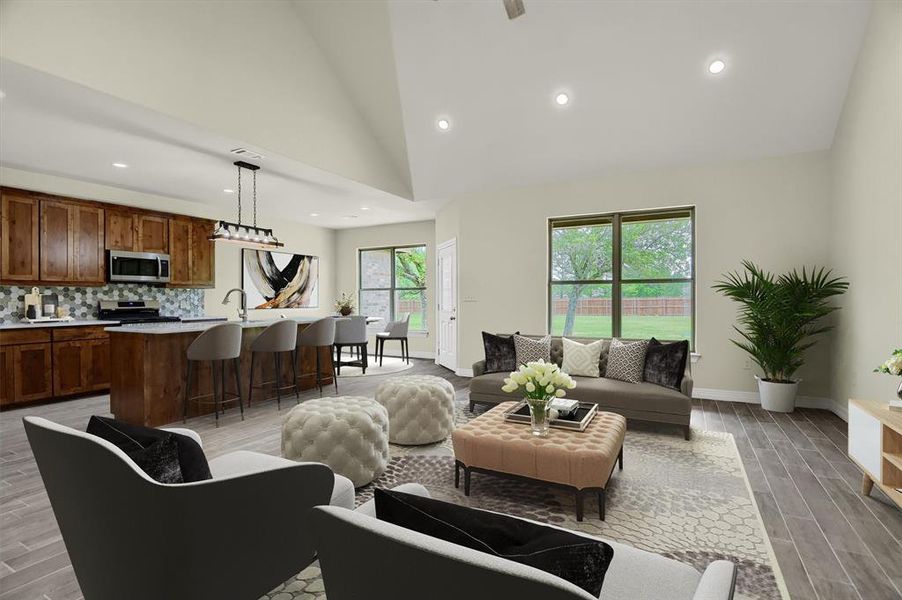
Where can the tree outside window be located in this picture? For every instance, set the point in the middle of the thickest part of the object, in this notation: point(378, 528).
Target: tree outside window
point(393, 283)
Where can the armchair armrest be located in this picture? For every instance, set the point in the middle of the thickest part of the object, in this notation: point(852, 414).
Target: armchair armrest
point(186, 432)
point(717, 582)
point(478, 368)
point(686, 384)
point(368, 508)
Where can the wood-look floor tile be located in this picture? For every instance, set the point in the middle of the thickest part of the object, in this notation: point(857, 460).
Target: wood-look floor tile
point(797, 582)
point(816, 554)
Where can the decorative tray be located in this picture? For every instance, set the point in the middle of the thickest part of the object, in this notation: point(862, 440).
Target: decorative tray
point(519, 413)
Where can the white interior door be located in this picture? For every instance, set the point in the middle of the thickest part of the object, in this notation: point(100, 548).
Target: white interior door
point(446, 346)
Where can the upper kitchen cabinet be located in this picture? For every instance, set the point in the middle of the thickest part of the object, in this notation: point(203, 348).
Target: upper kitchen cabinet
point(180, 251)
point(203, 254)
point(19, 235)
point(137, 232)
point(71, 243)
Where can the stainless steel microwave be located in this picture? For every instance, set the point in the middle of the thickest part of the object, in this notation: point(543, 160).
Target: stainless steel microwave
point(144, 267)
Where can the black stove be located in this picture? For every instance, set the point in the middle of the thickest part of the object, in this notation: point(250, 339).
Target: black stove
point(127, 312)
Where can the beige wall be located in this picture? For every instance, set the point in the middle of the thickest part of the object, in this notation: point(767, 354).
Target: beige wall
point(772, 211)
point(349, 241)
point(248, 69)
point(866, 230)
point(298, 238)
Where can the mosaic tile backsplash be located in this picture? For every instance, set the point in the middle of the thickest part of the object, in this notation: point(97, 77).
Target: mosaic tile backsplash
point(82, 301)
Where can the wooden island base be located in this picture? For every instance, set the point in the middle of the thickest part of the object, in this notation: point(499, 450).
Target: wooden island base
point(149, 372)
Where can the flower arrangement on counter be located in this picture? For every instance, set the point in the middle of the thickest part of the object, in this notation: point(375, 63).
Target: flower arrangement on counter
point(345, 304)
point(893, 366)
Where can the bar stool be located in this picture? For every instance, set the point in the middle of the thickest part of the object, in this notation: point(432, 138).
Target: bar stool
point(318, 335)
point(395, 330)
point(278, 338)
point(351, 332)
point(220, 343)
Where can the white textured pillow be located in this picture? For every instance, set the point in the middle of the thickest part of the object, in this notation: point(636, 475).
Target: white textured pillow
point(530, 350)
point(582, 359)
point(626, 360)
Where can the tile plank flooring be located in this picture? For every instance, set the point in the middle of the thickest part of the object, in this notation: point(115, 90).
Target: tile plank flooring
point(830, 541)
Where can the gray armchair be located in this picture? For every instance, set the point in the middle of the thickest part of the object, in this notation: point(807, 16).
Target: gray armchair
point(394, 330)
point(130, 536)
point(355, 550)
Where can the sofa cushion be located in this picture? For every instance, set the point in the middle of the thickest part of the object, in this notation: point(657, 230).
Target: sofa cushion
point(557, 351)
point(578, 559)
point(582, 359)
point(608, 394)
point(500, 353)
point(530, 350)
point(626, 360)
point(665, 364)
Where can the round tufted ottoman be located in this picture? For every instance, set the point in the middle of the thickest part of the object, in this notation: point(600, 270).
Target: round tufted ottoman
point(420, 408)
point(350, 434)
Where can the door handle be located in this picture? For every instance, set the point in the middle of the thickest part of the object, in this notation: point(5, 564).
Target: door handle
point(452, 318)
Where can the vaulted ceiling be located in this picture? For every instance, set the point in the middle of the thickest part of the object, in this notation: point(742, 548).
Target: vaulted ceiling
point(343, 96)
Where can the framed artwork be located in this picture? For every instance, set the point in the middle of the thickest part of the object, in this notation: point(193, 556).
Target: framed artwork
point(279, 279)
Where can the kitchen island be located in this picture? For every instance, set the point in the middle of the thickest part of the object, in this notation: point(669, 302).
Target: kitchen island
point(149, 369)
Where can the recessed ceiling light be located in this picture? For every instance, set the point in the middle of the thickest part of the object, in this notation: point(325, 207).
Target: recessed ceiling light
point(443, 124)
point(562, 99)
point(314, 214)
point(228, 191)
point(716, 67)
point(364, 208)
point(349, 216)
point(2, 94)
point(120, 165)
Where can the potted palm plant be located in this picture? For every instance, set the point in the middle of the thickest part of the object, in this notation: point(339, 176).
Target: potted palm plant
point(778, 316)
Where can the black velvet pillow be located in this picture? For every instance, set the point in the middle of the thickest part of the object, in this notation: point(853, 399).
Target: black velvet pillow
point(666, 363)
point(578, 559)
point(500, 353)
point(190, 457)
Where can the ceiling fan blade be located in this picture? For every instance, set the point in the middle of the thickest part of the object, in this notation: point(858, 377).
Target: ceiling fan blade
point(514, 8)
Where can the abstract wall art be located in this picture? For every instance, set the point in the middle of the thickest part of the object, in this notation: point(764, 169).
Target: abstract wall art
point(279, 279)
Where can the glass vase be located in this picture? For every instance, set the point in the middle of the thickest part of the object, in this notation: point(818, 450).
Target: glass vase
point(539, 409)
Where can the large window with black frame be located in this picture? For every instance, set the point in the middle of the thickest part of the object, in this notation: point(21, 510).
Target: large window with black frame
point(393, 284)
point(625, 274)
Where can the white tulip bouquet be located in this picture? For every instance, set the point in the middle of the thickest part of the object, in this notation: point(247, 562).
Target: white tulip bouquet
point(893, 366)
point(539, 382)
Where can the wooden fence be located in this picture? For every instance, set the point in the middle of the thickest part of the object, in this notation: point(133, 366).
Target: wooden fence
point(657, 307)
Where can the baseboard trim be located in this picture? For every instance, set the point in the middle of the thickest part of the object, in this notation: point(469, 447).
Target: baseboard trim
point(836, 408)
point(464, 372)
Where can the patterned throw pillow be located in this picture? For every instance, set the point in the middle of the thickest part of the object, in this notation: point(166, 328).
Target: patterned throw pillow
point(582, 359)
point(530, 350)
point(626, 360)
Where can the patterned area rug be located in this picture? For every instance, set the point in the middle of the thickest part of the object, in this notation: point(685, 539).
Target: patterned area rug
point(686, 500)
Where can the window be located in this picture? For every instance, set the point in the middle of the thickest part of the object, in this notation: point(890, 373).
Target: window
point(629, 275)
point(393, 283)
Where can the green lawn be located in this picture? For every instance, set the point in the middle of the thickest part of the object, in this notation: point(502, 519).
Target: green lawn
point(664, 328)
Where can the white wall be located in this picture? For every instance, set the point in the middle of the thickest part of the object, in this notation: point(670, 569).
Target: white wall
point(349, 241)
point(866, 229)
point(771, 211)
point(298, 238)
point(248, 69)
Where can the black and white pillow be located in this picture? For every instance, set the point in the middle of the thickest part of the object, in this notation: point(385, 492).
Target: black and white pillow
point(626, 360)
point(530, 350)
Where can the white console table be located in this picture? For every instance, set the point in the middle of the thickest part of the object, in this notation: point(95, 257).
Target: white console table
point(875, 444)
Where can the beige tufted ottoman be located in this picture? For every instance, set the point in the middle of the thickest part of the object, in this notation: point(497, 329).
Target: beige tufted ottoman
point(582, 460)
point(350, 434)
point(420, 408)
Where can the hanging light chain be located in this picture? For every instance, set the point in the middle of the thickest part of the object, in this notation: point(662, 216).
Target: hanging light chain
point(255, 199)
point(239, 194)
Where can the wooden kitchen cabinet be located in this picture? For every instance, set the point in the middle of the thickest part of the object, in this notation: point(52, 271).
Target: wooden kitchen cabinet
point(7, 375)
point(80, 365)
point(25, 370)
point(19, 235)
point(203, 254)
point(68, 367)
point(96, 356)
point(153, 234)
point(72, 242)
point(180, 251)
point(135, 231)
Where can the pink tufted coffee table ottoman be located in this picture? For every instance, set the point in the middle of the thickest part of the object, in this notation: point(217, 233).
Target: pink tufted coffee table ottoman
point(581, 460)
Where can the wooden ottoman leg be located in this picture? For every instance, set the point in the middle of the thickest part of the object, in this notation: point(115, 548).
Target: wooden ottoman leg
point(620, 459)
point(466, 480)
point(456, 474)
point(867, 484)
point(601, 503)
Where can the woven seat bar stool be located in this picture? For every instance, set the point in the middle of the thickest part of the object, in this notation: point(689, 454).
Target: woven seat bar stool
point(219, 344)
point(276, 339)
point(318, 335)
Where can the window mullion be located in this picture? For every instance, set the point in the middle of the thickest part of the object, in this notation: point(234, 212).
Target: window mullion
point(615, 286)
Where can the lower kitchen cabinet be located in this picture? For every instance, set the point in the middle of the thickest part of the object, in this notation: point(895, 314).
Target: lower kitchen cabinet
point(45, 363)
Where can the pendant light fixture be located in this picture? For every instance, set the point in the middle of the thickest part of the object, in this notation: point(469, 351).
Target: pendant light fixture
point(241, 233)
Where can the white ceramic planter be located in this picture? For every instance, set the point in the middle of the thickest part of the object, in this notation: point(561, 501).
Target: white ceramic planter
point(777, 397)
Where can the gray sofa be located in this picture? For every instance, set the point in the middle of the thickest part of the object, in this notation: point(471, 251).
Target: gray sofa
point(363, 557)
point(639, 401)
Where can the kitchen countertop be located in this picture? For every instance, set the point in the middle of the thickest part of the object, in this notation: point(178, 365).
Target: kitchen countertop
point(73, 323)
point(189, 327)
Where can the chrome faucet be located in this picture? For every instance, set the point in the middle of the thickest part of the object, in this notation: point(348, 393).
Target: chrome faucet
point(242, 308)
